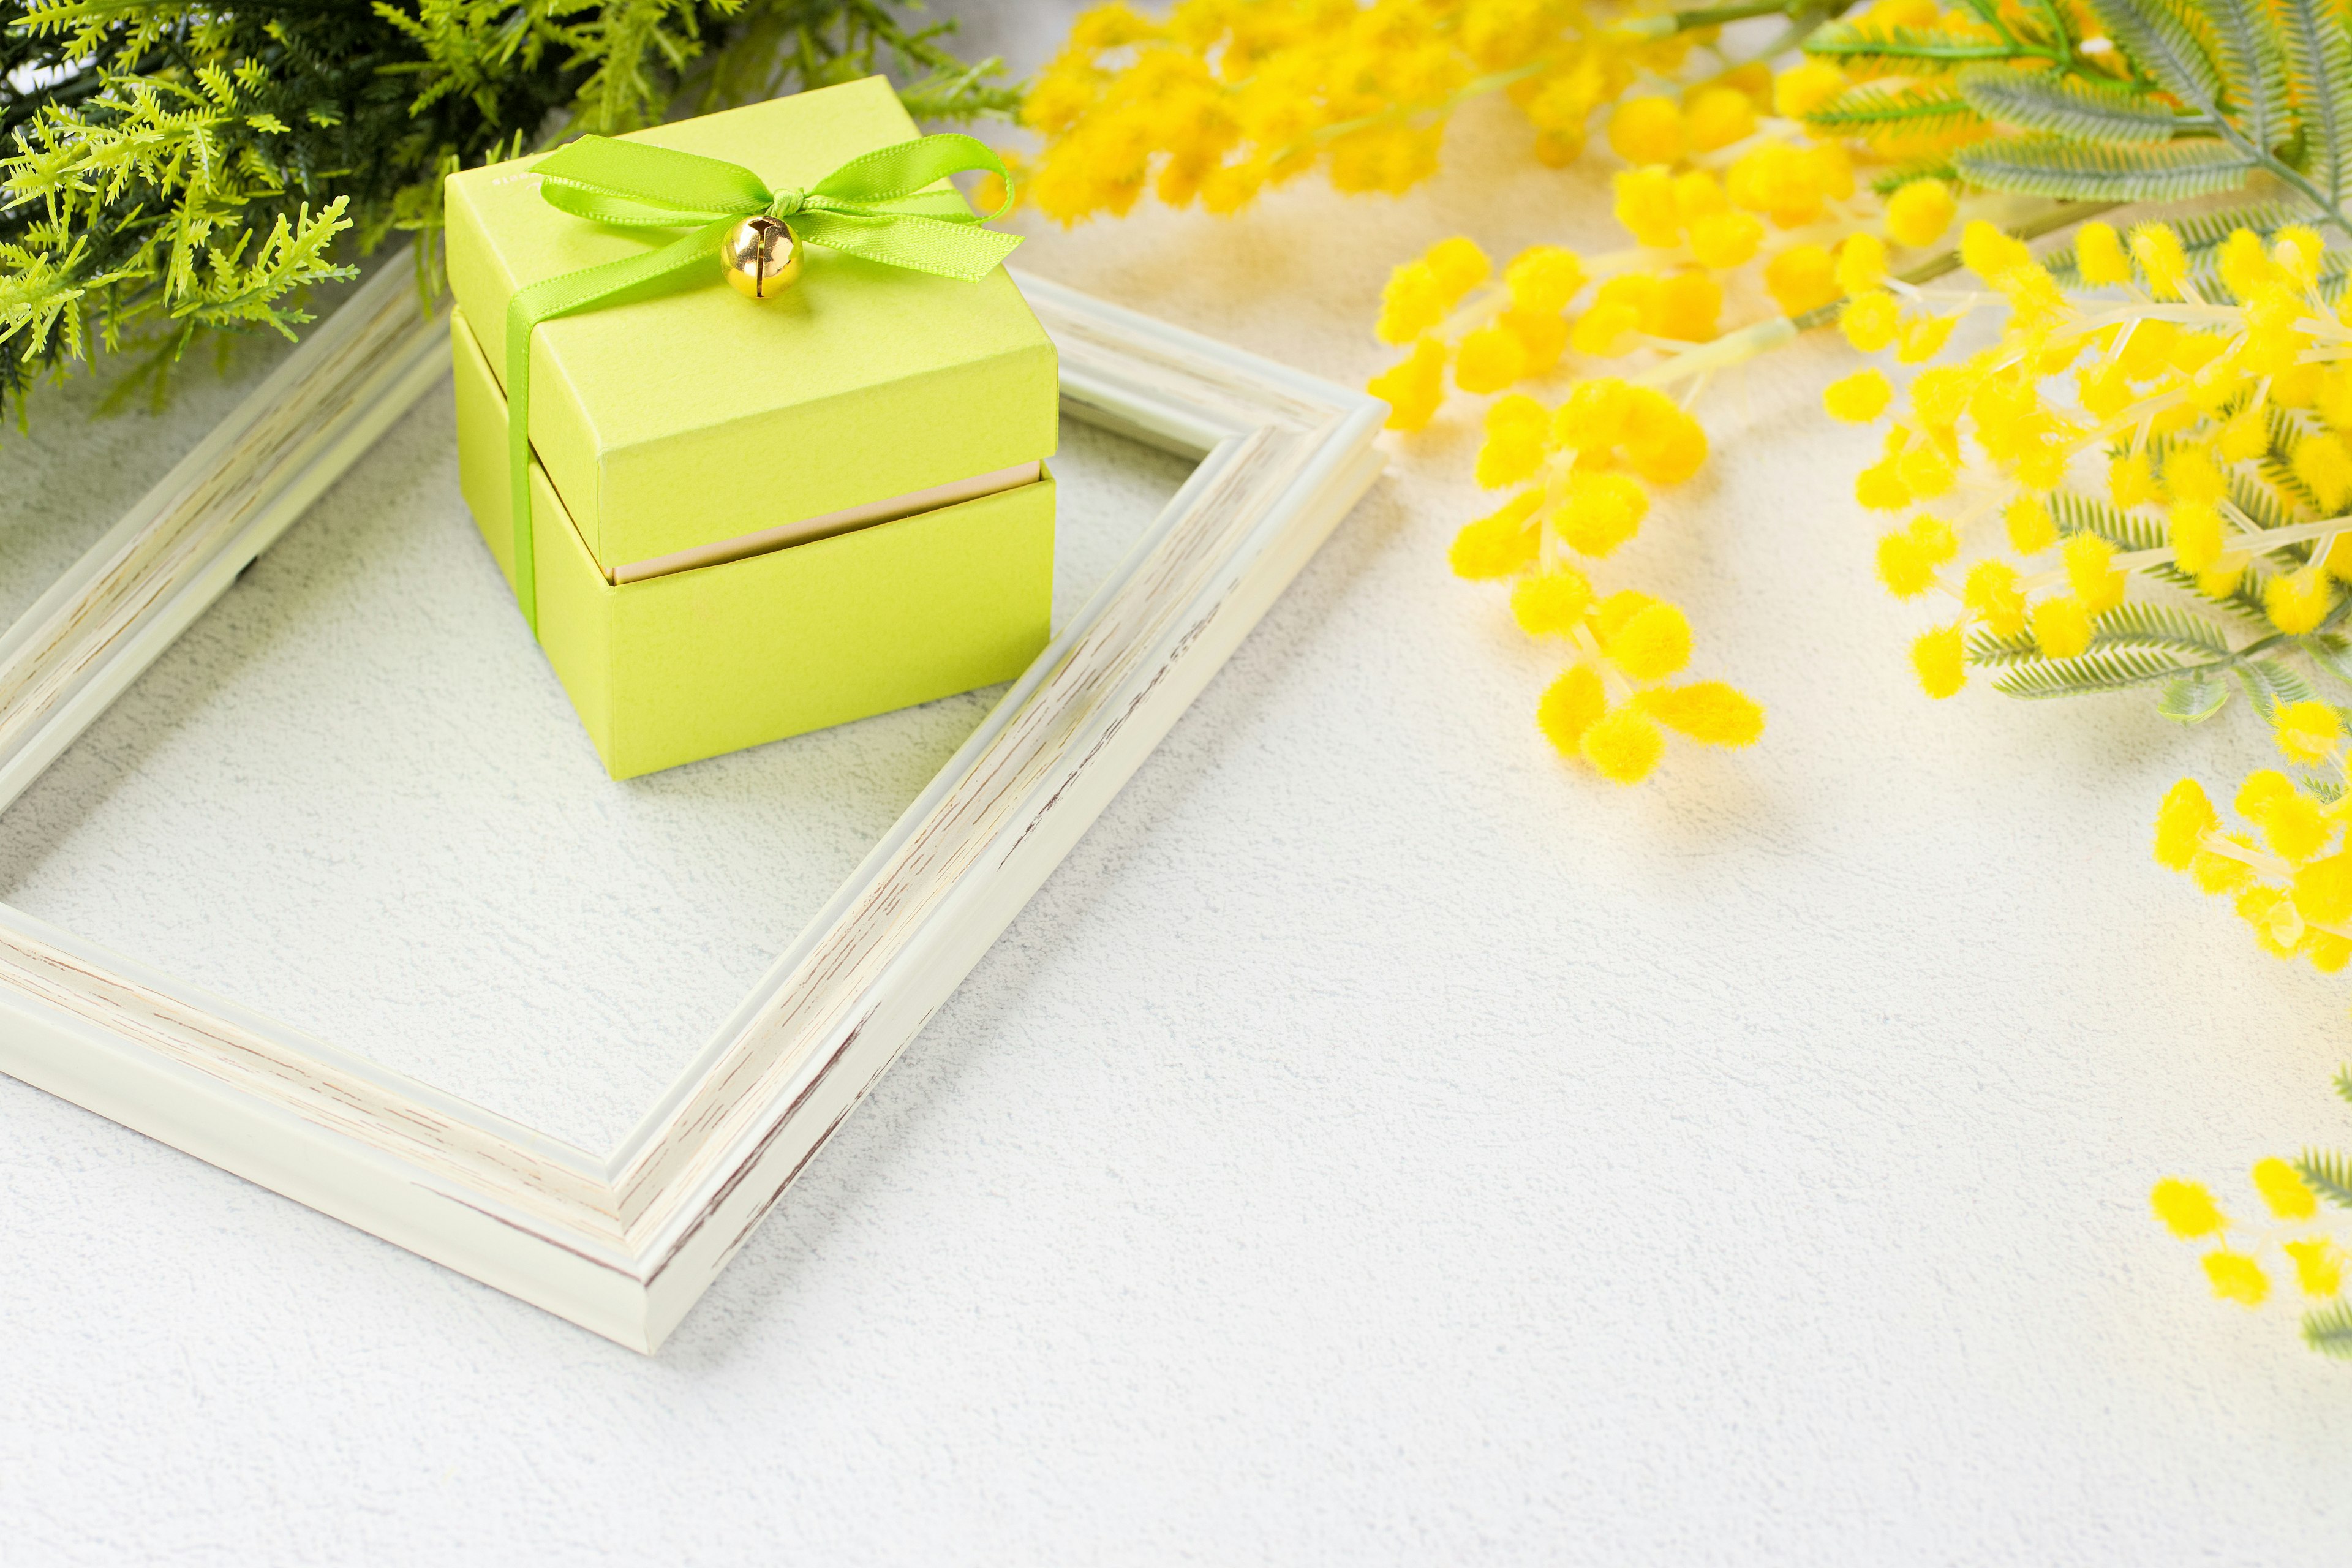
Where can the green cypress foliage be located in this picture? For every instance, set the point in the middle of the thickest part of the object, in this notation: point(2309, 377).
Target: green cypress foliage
point(172, 167)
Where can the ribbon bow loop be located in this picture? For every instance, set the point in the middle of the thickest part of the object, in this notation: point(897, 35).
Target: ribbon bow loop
point(882, 207)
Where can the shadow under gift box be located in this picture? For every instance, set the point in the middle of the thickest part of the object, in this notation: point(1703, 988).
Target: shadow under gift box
point(690, 423)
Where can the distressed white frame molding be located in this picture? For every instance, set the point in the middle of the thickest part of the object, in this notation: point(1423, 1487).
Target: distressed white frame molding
point(624, 1245)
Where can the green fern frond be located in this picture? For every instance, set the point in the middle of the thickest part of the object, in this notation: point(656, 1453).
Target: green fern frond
point(2194, 697)
point(1989, 650)
point(2329, 1329)
point(2329, 653)
point(2070, 107)
point(2328, 1174)
point(1875, 111)
point(2119, 670)
point(2344, 1084)
point(2263, 505)
point(2073, 512)
point(2270, 684)
point(2140, 626)
point(2069, 171)
point(2276, 466)
point(1888, 181)
point(2319, 58)
point(2246, 49)
point(2144, 624)
point(2170, 41)
point(1915, 51)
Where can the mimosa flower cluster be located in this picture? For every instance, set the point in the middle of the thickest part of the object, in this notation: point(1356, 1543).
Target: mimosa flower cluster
point(2290, 878)
point(1723, 190)
point(2293, 1244)
point(1224, 99)
point(1580, 468)
point(2142, 486)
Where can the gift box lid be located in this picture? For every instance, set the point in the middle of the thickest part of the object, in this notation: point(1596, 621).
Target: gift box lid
point(693, 415)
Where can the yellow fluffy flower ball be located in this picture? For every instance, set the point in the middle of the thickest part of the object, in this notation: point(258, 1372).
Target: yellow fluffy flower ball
point(2297, 602)
point(2187, 1208)
point(2308, 731)
point(2183, 820)
point(1569, 707)
point(2029, 525)
point(1623, 745)
point(1939, 659)
point(1724, 241)
point(1551, 603)
point(1801, 277)
point(2237, 1278)
point(2099, 254)
point(1647, 130)
point(1603, 510)
point(2285, 1190)
point(1708, 712)
point(1654, 643)
point(1414, 386)
point(2319, 1265)
point(1918, 214)
point(2061, 626)
point(1859, 398)
point(1500, 544)
point(1800, 90)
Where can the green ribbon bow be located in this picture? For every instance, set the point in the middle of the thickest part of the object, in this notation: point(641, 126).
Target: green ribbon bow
point(870, 206)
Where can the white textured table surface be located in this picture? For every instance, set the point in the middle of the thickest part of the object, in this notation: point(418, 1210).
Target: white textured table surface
point(1378, 1144)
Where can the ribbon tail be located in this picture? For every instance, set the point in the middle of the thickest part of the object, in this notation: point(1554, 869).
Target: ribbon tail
point(936, 246)
point(620, 212)
point(543, 303)
point(901, 170)
point(655, 176)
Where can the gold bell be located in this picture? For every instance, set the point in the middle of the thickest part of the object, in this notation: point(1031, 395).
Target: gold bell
point(762, 257)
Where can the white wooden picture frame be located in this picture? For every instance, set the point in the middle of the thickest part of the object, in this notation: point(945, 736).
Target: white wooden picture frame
point(625, 1244)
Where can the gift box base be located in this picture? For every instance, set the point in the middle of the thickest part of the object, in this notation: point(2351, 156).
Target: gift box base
point(674, 669)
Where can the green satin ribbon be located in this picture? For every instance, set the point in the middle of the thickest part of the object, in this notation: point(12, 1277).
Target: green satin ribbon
point(870, 206)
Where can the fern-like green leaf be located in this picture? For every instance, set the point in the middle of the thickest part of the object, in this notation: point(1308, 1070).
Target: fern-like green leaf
point(2143, 624)
point(2270, 683)
point(2193, 699)
point(1989, 650)
point(2253, 71)
point(2074, 513)
point(2113, 671)
point(2277, 466)
point(2328, 1174)
point(1915, 51)
point(1886, 182)
point(2344, 1084)
point(1875, 111)
point(2169, 41)
point(2070, 171)
point(2057, 26)
point(2264, 507)
point(2329, 653)
point(2326, 792)
point(2070, 107)
point(2318, 53)
point(2328, 1331)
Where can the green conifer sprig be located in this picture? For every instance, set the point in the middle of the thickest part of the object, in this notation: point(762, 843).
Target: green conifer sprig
point(172, 167)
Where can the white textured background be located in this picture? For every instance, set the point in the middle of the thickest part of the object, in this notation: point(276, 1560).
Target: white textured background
point(1377, 1143)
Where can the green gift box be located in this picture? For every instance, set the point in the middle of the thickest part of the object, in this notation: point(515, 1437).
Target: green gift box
point(751, 519)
